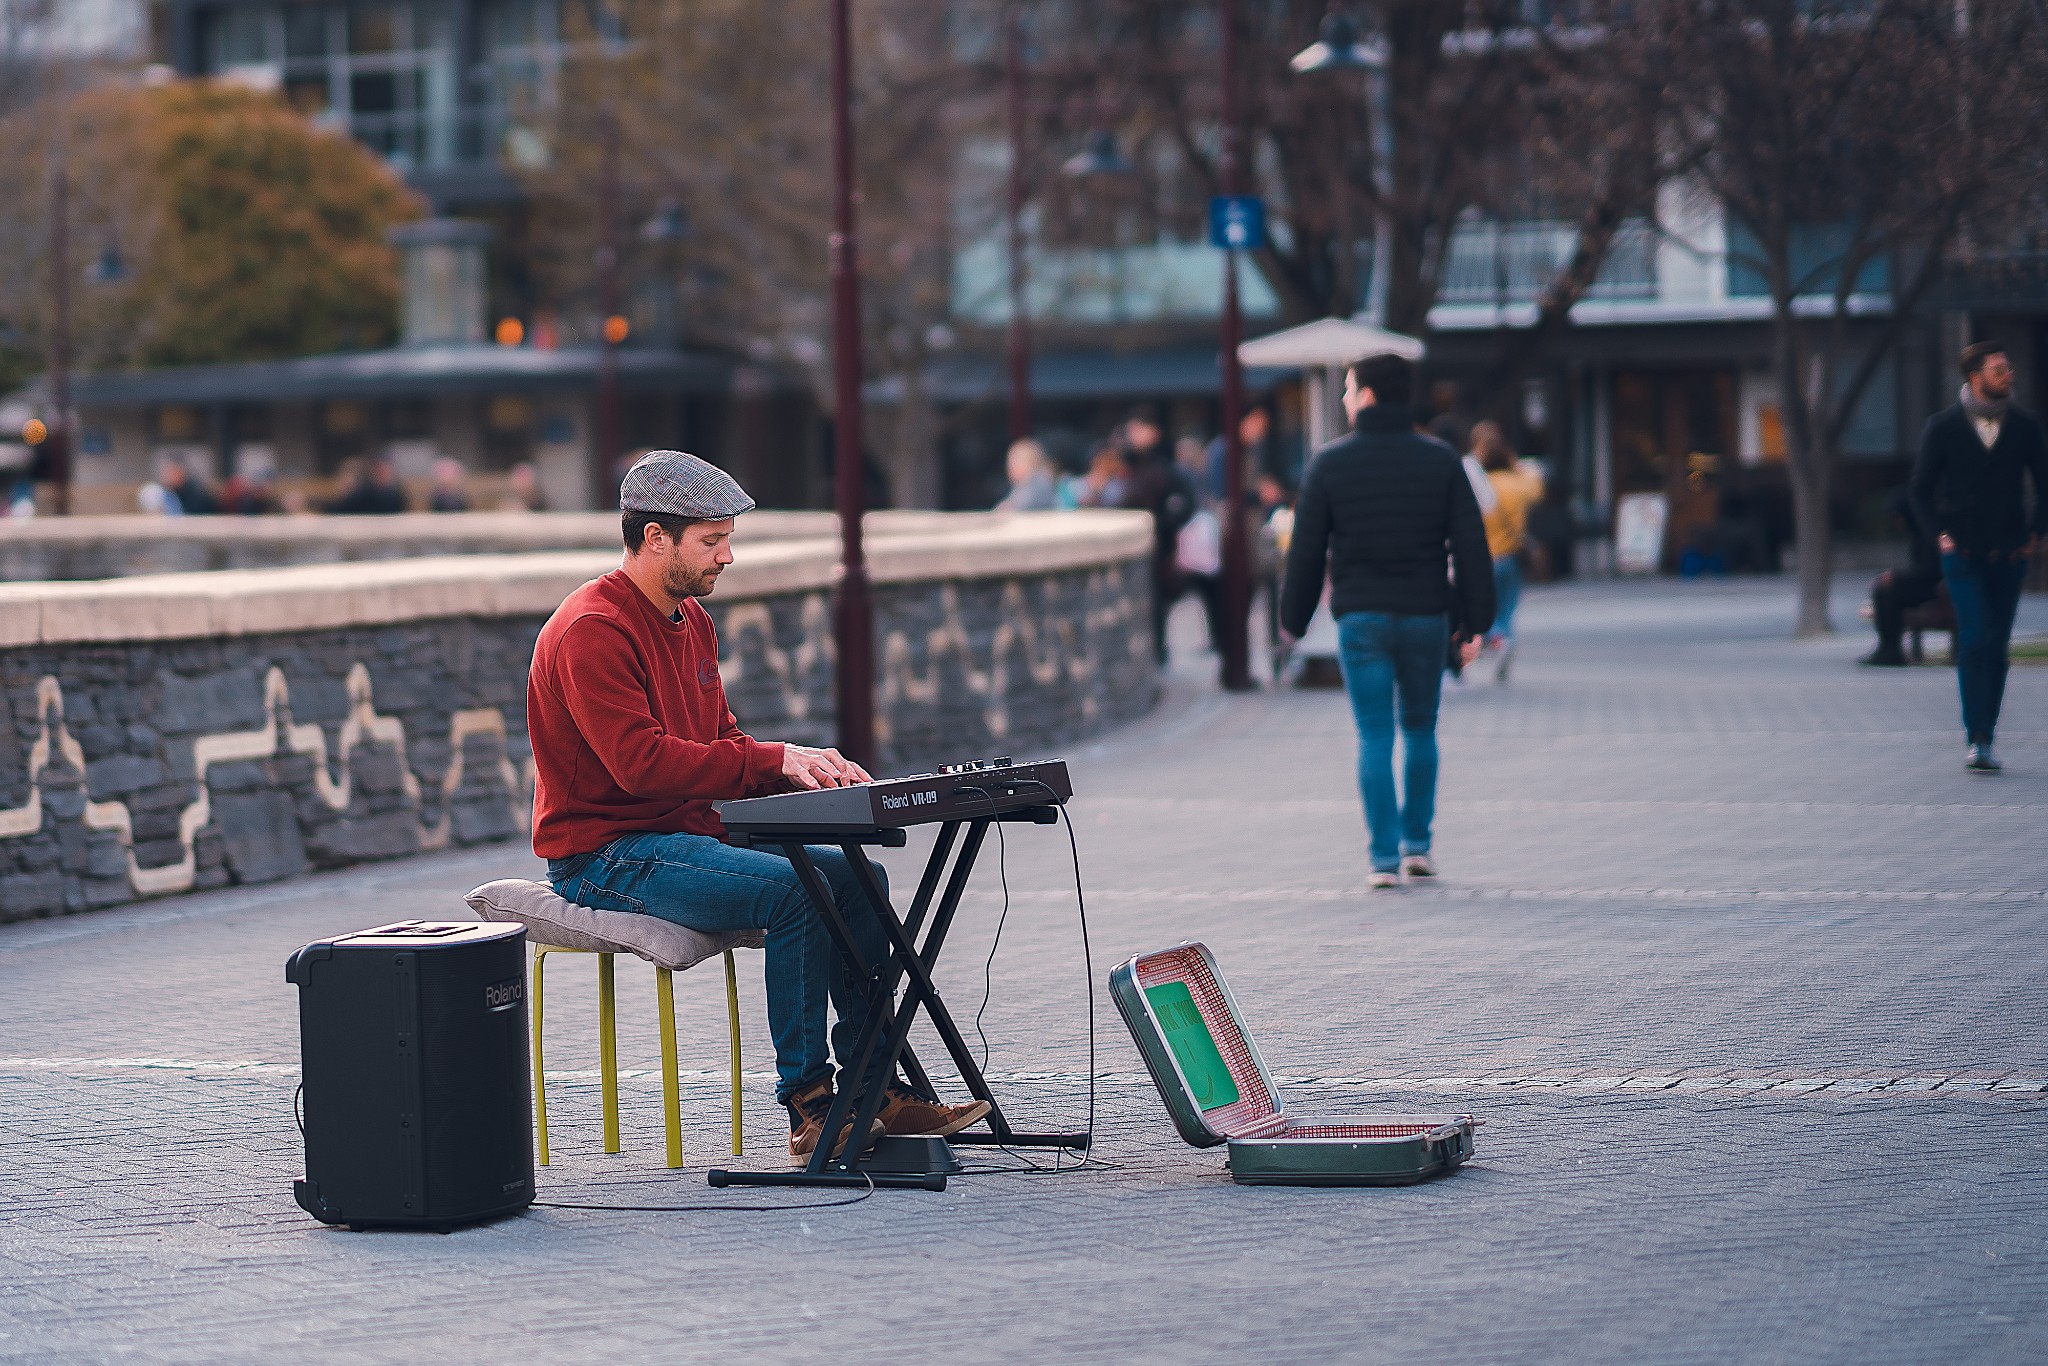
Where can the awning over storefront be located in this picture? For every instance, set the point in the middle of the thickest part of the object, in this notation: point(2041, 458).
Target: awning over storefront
point(1078, 375)
point(406, 370)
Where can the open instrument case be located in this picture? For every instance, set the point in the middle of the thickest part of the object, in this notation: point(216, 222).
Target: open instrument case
point(1217, 1089)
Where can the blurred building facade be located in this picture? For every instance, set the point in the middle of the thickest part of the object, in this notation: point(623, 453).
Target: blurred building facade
point(453, 94)
point(1663, 382)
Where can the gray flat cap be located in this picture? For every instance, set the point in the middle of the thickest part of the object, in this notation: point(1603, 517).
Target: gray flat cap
point(680, 485)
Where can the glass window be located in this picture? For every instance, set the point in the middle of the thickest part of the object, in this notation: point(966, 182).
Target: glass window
point(511, 23)
point(305, 33)
point(308, 95)
point(373, 28)
point(373, 93)
point(242, 38)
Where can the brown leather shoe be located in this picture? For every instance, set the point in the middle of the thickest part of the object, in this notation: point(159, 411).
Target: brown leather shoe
point(905, 1114)
point(807, 1111)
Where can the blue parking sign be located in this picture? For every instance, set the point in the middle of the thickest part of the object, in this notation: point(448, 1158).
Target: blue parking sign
point(1237, 222)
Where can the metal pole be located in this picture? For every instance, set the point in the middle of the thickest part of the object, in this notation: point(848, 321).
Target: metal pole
point(1020, 322)
point(855, 676)
point(608, 307)
point(57, 441)
point(1237, 587)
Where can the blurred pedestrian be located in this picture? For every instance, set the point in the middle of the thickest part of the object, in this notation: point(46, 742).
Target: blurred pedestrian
point(1254, 436)
point(451, 486)
point(1516, 485)
point(1157, 485)
point(1377, 511)
point(185, 493)
point(17, 478)
point(1198, 548)
point(1107, 478)
point(1032, 486)
point(251, 491)
point(374, 491)
point(1449, 429)
point(1968, 487)
point(523, 489)
point(1895, 591)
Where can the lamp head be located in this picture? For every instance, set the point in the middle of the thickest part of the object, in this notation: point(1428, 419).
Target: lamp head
point(1099, 159)
point(1338, 47)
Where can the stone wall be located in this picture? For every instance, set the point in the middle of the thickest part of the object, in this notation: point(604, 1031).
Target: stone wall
point(179, 732)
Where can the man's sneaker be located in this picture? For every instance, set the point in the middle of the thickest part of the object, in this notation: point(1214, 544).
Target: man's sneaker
point(1383, 877)
point(1504, 660)
point(1419, 865)
point(1884, 659)
point(905, 1114)
point(1981, 760)
point(807, 1111)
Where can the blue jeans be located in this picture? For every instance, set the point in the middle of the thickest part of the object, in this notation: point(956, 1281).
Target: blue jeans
point(1986, 594)
point(1507, 596)
point(1389, 655)
point(708, 885)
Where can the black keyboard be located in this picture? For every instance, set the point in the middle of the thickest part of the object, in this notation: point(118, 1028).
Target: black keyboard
point(956, 792)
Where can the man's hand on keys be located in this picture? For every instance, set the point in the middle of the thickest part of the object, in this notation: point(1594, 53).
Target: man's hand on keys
point(813, 768)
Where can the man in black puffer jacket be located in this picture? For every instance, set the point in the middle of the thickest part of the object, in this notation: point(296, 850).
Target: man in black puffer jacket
point(1968, 488)
point(1383, 512)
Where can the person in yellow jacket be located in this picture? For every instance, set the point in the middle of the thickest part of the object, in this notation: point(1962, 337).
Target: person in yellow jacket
point(1517, 486)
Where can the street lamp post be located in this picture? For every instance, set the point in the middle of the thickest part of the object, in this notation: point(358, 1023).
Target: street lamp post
point(1020, 322)
point(609, 335)
point(1237, 592)
point(57, 441)
point(1338, 47)
point(854, 615)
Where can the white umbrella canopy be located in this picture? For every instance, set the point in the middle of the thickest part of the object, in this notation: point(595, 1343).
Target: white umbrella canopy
point(1327, 342)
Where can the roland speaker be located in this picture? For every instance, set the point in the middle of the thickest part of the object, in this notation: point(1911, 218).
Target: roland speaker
point(416, 1108)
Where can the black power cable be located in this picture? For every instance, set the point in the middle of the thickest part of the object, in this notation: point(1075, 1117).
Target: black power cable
point(1088, 1159)
point(713, 1209)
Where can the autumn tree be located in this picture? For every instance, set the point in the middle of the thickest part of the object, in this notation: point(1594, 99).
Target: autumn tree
point(230, 228)
point(722, 124)
point(1483, 113)
point(1852, 143)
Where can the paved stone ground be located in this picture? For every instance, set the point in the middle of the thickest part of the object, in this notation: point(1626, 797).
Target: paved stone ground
point(1744, 973)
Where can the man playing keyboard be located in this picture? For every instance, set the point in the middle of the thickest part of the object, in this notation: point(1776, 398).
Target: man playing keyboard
point(633, 741)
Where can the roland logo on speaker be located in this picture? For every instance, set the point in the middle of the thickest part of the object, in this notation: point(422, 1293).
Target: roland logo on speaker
point(505, 995)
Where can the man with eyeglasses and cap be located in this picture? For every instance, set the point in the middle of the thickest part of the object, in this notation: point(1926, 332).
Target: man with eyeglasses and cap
point(633, 741)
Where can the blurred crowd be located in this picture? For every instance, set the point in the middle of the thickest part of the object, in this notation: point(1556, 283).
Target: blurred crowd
point(367, 487)
point(1183, 486)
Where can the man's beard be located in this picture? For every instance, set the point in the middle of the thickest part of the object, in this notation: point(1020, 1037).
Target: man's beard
point(679, 581)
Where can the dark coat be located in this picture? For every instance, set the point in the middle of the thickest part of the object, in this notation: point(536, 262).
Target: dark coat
point(1975, 496)
point(1383, 511)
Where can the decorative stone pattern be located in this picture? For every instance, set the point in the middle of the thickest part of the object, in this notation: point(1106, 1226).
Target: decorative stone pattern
point(131, 769)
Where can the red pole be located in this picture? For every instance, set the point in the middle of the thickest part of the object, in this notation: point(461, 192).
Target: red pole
point(57, 440)
point(608, 306)
point(855, 675)
point(1020, 322)
point(1237, 594)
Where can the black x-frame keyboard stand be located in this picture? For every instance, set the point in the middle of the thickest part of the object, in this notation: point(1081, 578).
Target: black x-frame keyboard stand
point(906, 959)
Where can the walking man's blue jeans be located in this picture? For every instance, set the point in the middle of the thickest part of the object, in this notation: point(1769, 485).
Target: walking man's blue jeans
point(1394, 664)
point(1507, 595)
point(708, 885)
point(1986, 595)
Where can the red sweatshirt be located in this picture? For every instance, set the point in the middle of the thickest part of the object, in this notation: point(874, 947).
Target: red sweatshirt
point(629, 723)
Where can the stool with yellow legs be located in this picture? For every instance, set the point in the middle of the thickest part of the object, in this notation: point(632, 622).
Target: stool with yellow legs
point(557, 926)
point(608, 1051)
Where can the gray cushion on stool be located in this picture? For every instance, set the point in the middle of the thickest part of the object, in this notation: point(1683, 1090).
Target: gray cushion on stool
point(551, 920)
